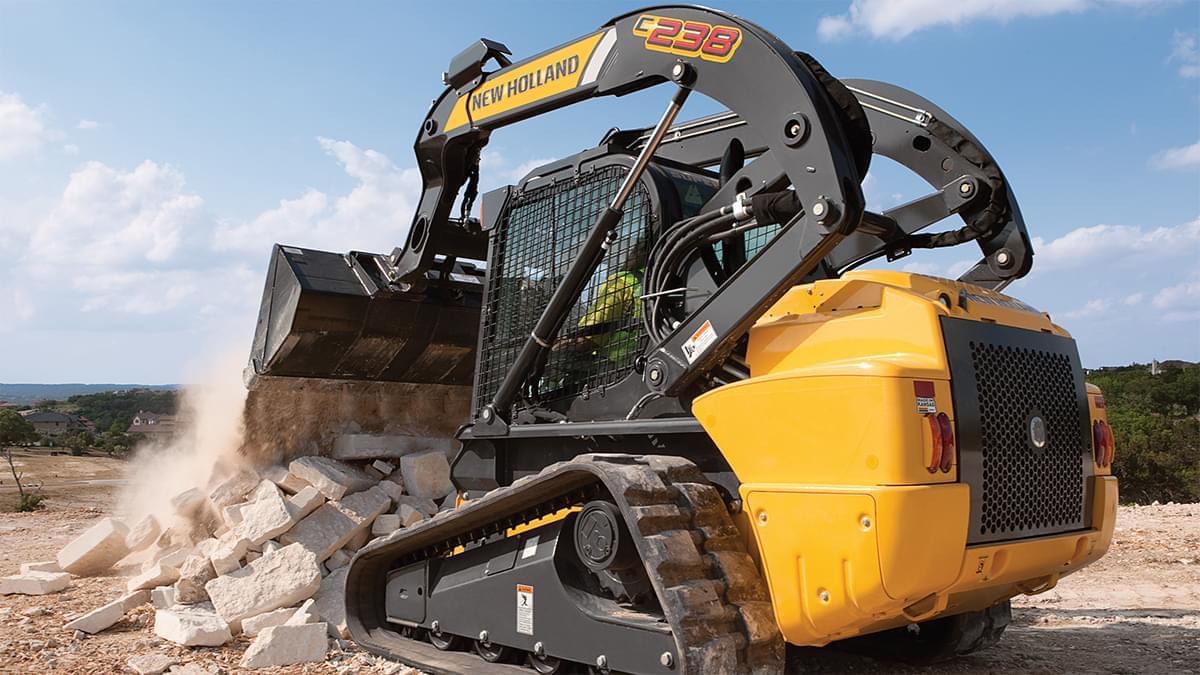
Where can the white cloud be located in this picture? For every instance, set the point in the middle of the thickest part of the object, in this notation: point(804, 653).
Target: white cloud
point(373, 216)
point(1180, 302)
point(111, 218)
point(1184, 52)
point(1185, 157)
point(1104, 245)
point(1090, 309)
point(15, 308)
point(23, 129)
point(1134, 299)
point(70, 149)
point(87, 124)
point(897, 19)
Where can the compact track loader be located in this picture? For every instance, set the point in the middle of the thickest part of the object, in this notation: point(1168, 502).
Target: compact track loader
point(685, 432)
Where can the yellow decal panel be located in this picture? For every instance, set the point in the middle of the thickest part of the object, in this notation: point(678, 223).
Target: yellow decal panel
point(553, 73)
point(688, 38)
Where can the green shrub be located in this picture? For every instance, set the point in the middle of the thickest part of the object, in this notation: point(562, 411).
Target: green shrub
point(30, 502)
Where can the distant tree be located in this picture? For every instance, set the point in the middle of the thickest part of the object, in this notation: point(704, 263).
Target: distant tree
point(15, 430)
point(77, 442)
point(116, 427)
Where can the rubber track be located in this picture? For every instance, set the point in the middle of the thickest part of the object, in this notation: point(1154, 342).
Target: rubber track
point(709, 588)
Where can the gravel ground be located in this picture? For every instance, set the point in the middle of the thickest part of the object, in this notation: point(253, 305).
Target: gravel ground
point(1136, 610)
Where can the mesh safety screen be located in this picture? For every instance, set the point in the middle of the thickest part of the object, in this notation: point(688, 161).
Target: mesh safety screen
point(531, 251)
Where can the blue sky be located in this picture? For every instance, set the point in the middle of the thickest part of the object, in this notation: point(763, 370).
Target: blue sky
point(150, 153)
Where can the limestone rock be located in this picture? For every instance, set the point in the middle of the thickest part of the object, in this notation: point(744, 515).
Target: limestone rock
point(266, 517)
point(194, 626)
point(233, 489)
point(278, 579)
point(98, 619)
point(304, 502)
point(426, 474)
point(276, 617)
point(163, 597)
point(286, 480)
point(287, 645)
point(157, 575)
point(339, 559)
point(393, 490)
point(43, 566)
point(334, 479)
point(409, 516)
point(306, 614)
point(135, 599)
point(227, 555)
point(331, 603)
point(96, 550)
point(383, 467)
point(324, 531)
point(370, 446)
point(270, 545)
point(189, 503)
point(386, 523)
point(174, 558)
point(34, 583)
point(150, 664)
point(143, 534)
point(232, 514)
point(195, 572)
point(422, 504)
point(357, 540)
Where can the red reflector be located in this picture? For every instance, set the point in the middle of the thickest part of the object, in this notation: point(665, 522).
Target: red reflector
point(1099, 402)
point(947, 432)
point(1102, 442)
point(1110, 444)
point(935, 430)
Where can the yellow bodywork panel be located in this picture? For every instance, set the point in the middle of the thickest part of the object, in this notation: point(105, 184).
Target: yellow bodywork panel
point(831, 445)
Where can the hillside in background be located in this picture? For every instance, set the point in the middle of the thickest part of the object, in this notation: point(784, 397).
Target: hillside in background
point(114, 410)
point(1155, 417)
point(28, 394)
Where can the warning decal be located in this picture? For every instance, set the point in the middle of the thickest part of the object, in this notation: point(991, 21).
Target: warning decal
point(524, 609)
point(701, 340)
point(926, 403)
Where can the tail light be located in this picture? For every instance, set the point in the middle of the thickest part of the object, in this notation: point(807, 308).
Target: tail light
point(1103, 444)
point(942, 433)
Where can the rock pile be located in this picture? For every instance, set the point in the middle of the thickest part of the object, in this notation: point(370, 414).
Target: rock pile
point(260, 552)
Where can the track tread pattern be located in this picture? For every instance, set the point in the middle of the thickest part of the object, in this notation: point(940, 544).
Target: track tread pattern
point(709, 588)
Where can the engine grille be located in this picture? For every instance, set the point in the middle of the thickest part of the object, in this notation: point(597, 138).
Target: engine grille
point(1004, 378)
point(531, 251)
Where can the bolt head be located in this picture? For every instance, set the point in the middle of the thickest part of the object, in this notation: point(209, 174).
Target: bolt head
point(483, 636)
point(602, 661)
point(965, 188)
point(865, 522)
point(437, 627)
point(539, 649)
point(1003, 257)
point(818, 209)
point(667, 659)
point(823, 595)
point(762, 516)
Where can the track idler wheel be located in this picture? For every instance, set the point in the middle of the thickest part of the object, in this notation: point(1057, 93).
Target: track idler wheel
point(604, 546)
point(492, 652)
point(445, 641)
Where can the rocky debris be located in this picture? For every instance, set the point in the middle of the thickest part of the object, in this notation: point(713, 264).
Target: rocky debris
point(232, 514)
point(324, 531)
point(409, 516)
point(100, 618)
point(233, 489)
point(143, 534)
point(157, 575)
point(286, 480)
point(333, 478)
point(276, 617)
point(266, 517)
point(34, 583)
point(163, 597)
point(150, 664)
point(278, 579)
point(392, 489)
point(192, 626)
point(423, 504)
point(287, 645)
point(386, 524)
point(195, 572)
point(96, 550)
point(227, 555)
point(43, 566)
point(270, 545)
point(189, 503)
point(384, 468)
point(304, 502)
point(426, 474)
point(340, 558)
point(307, 613)
point(330, 602)
point(369, 446)
point(135, 599)
point(175, 557)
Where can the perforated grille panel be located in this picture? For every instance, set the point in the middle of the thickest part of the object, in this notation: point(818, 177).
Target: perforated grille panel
point(1010, 385)
point(531, 251)
point(1025, 488)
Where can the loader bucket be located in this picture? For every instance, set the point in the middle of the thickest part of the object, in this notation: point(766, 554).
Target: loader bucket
point(338, 350)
